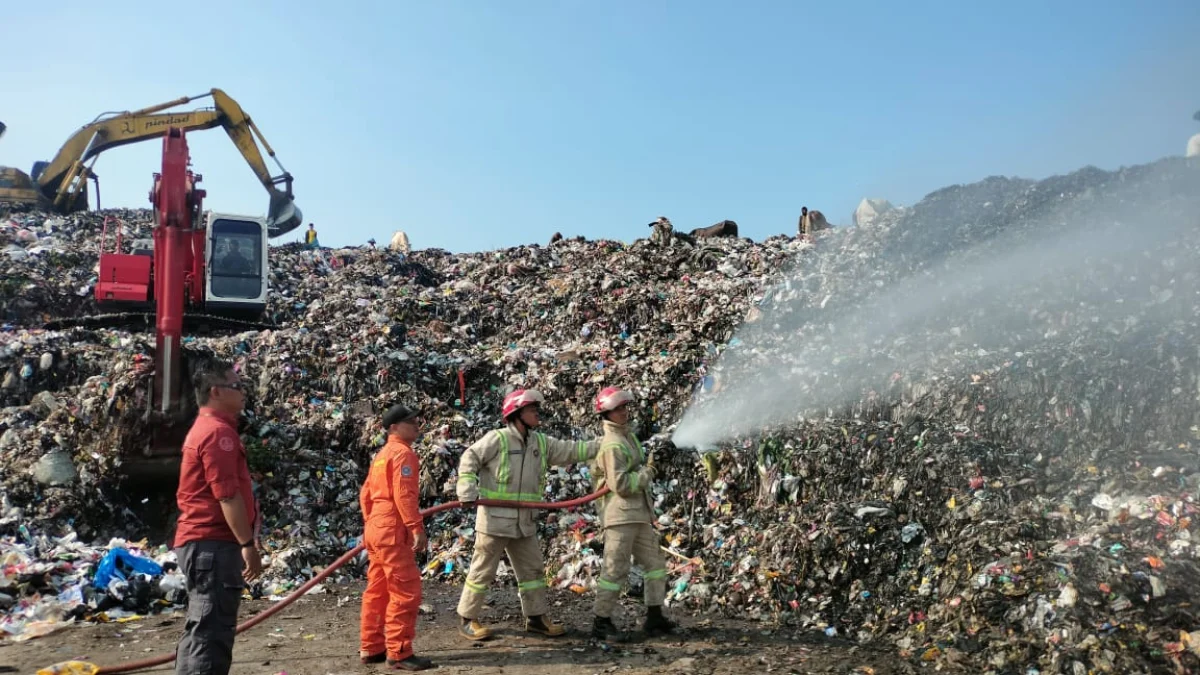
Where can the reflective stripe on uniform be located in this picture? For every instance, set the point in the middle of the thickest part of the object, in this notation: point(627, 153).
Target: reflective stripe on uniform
point(633, 463)
point(619, 446)
point(656, 574)
point(468, 478)
point(507, 496)
point(606, 585)
point(476, 588)
point(541, 438)
point(504, 474)
point(531, 585)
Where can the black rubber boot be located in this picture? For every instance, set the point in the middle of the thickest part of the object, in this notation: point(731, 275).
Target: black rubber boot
point(605, 630)
point(657, 624)
point(413, 662)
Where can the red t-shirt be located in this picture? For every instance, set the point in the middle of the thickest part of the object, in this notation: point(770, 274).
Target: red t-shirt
point(214, 467)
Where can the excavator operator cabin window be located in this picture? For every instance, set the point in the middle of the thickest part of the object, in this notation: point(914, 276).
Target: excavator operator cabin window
point(236, 259)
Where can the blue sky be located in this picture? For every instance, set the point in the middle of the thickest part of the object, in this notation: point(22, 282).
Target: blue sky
point(478, 125)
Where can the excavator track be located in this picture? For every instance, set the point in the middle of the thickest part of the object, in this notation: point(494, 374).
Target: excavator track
point(145, 320)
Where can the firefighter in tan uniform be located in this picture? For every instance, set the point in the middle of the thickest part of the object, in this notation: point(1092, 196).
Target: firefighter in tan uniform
point(627, 517)
point(510, 464)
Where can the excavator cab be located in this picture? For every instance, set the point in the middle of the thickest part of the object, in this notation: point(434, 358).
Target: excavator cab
point(235, 283)
point(17, 188)
point(18, 185)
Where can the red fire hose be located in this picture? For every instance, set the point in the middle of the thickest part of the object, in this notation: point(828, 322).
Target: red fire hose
point(347, 557)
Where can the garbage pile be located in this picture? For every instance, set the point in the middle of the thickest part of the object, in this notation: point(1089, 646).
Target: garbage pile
point(46, 582)
point(993, 471)
point(359, 329)
point(1074, 289)
point(1020, 500)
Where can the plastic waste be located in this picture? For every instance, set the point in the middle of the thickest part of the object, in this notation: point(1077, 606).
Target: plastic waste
point(118, 564)
point(70, 668)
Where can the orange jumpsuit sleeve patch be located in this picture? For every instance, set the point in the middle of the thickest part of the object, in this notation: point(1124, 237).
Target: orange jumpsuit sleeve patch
point(407, 485)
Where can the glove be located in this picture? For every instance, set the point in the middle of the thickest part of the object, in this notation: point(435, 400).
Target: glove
point(648, 471)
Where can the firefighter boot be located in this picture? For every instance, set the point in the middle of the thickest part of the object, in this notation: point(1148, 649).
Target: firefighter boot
point(657, 624)
point(604, 630)
point(539, 624)
point(473, 630)
point(413, 662)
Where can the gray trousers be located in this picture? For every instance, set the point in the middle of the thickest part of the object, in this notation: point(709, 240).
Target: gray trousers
point(213, 570)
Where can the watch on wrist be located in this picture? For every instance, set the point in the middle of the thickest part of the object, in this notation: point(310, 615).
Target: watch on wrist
point(248, 544)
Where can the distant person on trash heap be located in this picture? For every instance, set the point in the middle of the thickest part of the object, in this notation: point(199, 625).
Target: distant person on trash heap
point(663, 234)
point(627, 519)
point(393, 534)
point(811, 222)
point(216, 536)
point(310, 237)
point(510, 464)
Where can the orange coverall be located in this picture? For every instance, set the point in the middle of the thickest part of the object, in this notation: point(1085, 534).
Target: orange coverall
point(389, 500)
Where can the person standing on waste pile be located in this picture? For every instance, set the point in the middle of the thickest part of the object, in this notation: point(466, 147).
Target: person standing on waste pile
point(394, 533)
point(811, 222)
point(310, 237)
point(510, 464)
point(664, 234)
point(804, 226)
point(627, 519)
point(216, 533)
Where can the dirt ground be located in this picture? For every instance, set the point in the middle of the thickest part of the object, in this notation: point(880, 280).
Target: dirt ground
point(318, 635)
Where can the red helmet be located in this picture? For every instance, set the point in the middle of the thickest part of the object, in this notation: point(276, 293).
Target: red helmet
point(610, 397)
point(519, 399)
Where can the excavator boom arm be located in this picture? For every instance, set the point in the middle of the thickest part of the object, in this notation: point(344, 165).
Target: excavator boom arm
point(63, 178)
point(91, 140)
point(242, 130)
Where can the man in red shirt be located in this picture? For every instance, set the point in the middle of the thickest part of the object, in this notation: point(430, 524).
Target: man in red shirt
point(215, 538)
point(393, 534)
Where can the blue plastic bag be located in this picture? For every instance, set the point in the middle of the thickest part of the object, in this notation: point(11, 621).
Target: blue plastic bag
point(118, 562)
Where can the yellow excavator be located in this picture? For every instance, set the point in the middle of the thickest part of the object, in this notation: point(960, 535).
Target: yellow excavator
point(60, 185)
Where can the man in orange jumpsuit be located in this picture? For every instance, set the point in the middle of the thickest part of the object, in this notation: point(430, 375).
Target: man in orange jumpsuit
point(394, 532)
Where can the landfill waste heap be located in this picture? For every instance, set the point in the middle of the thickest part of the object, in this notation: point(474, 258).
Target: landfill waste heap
point(1025, 507)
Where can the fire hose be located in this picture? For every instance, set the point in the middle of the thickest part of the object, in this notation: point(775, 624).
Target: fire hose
point(347, 557)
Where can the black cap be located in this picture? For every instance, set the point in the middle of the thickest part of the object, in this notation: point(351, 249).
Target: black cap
point(398, 413)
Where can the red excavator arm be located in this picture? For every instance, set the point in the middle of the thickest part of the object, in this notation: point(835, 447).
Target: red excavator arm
point(174, 282)
point(178, 263)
